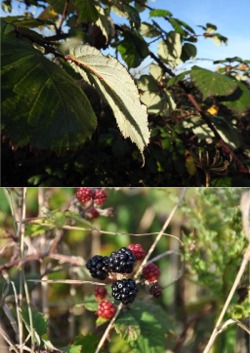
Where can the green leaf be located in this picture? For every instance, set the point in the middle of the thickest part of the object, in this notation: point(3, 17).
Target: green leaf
point(90, 303)
point(58, 6)
point(100, 321)
point(212, 83)
point(160, 13)
point(6, 6)
point(177, 78)
point(148, 30)
point(127, 327)
point(88, 342)
point(72, 349)
point(178, 26)
point(155, 71)
point(87, 11)
point(170, 49)
point(210, 28)
point(6, 29)
point(153, 325)
point(42, 105)
point(27, 22)
point(103, 22)
point(157, 103)
point(133, 49)
point(229, 133)
point(188, 51)
point(239, 101)
point(219, 39)
point(125, 10)
point(147, 83)
point(33, 230)
point(39, 323)
point(116, 86)
point(79, 219)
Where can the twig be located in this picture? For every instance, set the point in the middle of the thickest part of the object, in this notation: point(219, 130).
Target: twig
point(73, 260)
point(64, 14)
point(109, 327)
point(161, 232)
point(7, 339)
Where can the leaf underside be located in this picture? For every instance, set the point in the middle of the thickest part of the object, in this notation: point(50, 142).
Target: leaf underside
point(116, 86)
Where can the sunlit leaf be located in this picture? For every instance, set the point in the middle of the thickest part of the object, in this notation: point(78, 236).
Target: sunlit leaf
point(160, 13)
point(116, 86)
point(212, 83)
point(170, 49)
point(149, 30)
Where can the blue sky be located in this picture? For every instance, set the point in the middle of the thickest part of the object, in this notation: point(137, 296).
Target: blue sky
point(230, 16)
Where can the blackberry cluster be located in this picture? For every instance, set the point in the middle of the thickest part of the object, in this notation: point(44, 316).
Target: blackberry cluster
point(124, 290)
point(122, 261)
point(97, 266)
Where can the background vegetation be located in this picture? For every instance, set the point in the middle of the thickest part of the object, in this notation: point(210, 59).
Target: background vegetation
point(66, 108)
point(201, 250)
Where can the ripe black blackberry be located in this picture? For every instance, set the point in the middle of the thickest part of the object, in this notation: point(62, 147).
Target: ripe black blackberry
point(124, 290)
point(121, 261)
point(156, 290)
point(97, 266)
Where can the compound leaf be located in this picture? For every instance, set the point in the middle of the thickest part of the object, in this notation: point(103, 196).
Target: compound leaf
point(113, 82)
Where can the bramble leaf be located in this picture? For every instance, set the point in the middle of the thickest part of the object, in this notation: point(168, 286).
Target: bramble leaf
point(170, 49)
point(144, 327)
point(113, 82)
point(160, 13)
point(212, 83)
point(42, 105)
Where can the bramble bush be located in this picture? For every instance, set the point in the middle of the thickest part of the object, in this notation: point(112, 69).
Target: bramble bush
point(70, 113)
point(149, 281)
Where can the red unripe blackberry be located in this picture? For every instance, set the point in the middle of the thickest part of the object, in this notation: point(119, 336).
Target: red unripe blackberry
point(85, 194)
point(100, 197)
point(137, 250)
point(124, 290)
point(100, 293)
point(151, 272)
point(106, 309)
point(92, 213)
